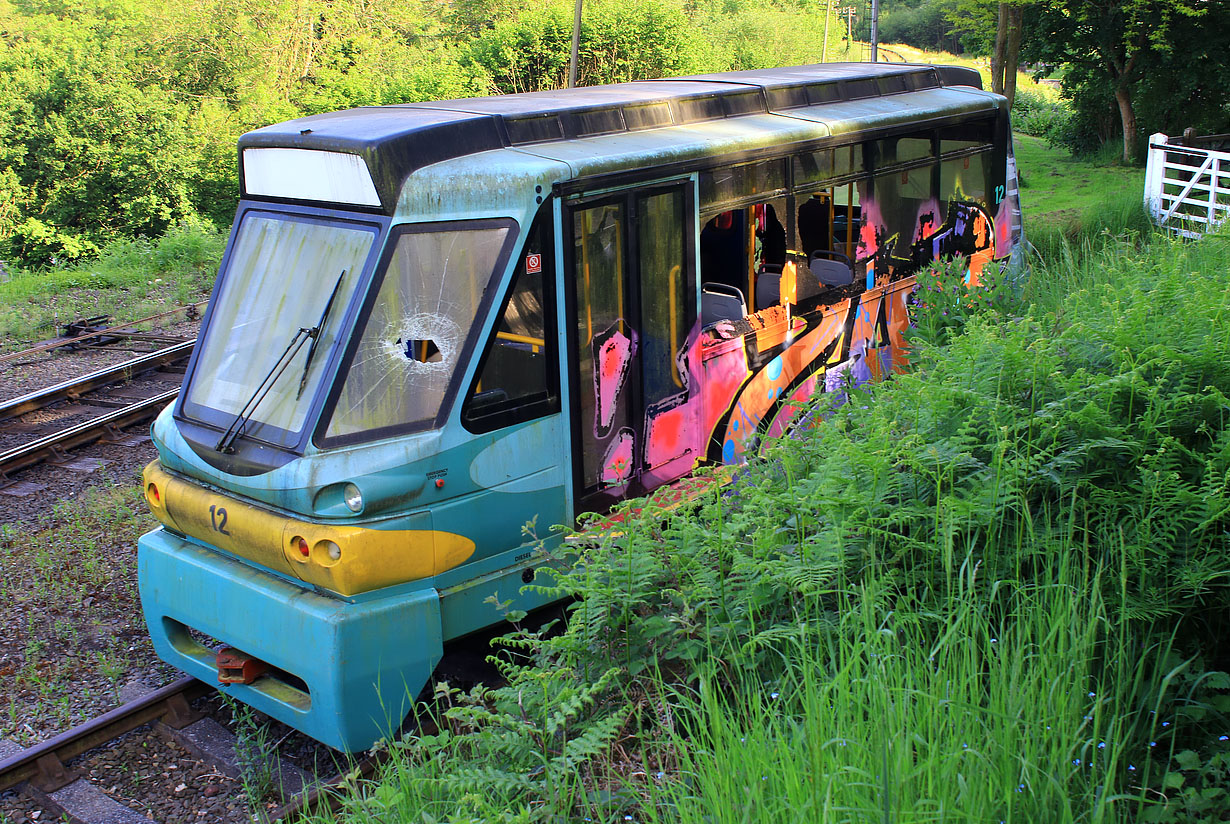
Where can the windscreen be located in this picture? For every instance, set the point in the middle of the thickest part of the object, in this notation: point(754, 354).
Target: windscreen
point(419, 329)
point(282, 274)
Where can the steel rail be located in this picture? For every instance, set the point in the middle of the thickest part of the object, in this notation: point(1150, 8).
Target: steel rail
point(44, 763)
point(72, 389)
point(116, 331)
point(37, 451)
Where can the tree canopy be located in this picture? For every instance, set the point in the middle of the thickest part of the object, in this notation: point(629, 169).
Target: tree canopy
point(119, 118)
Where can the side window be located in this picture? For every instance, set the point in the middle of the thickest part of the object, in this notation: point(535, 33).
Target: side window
point(517, 377)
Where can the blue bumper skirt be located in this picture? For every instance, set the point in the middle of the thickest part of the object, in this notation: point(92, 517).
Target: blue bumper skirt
point(362, 663)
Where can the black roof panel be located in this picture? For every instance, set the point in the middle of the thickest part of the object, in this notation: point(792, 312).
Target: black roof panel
point(397, 139)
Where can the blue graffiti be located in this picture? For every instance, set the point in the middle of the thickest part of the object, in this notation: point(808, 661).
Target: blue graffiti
point(774, 369)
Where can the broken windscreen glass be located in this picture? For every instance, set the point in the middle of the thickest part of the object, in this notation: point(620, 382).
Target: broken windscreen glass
point(281, 272)
point(418, 328)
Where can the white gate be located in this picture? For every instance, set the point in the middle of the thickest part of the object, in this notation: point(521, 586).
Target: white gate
point(1187, 189)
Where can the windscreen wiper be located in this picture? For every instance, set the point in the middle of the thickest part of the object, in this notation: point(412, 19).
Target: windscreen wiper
point(301, 337)
point(324, 317)
point(262, 389)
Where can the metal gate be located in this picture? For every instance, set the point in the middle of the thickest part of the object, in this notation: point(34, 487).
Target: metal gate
point(1187, 188)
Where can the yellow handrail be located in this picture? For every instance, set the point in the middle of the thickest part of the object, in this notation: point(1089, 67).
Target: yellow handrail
point(537, 343)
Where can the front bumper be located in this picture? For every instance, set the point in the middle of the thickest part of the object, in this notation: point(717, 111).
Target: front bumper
point(363, 663)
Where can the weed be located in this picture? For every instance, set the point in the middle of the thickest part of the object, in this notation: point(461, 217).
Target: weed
point(253, 753)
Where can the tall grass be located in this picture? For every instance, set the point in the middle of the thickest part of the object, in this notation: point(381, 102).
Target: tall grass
point(971, 714)
point(1073, 243)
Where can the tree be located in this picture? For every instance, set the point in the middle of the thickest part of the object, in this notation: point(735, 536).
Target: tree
point(1113, 40)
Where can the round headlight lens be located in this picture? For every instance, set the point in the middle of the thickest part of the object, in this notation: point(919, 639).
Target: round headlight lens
point(353, 498)
point(331, 549)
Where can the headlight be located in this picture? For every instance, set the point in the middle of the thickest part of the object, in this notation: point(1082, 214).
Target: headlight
point(353, 498)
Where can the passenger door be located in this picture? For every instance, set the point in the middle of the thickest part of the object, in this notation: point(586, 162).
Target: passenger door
point(636, 415)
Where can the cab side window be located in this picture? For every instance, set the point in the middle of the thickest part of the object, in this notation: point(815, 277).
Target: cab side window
point(518, 377)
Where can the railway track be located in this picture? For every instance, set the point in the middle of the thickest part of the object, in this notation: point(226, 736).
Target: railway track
point(43, 772)
point(85, 334)
point(53, 444)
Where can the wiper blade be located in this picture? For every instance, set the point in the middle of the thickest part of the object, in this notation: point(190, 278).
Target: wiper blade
point(316, 332)
point(280, 365)
point(262, 389)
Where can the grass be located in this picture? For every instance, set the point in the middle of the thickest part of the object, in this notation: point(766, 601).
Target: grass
point(130, 279)
point(1056, 188)
point(982, 718)
point(68, 600)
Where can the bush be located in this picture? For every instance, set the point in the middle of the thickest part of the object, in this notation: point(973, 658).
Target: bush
point(619, 42)
point(1039, 111)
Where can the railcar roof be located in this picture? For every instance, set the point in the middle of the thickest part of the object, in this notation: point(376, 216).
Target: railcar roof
point(395, 140)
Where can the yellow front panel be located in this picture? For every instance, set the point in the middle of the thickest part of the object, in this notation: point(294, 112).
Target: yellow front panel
point(368, 558)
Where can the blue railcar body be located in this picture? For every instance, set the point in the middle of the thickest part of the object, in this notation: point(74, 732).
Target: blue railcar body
point(343, 556)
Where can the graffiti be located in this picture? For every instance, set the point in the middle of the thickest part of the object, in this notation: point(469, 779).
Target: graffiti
point(617, 463)
point(613, 352)
point(749, 378)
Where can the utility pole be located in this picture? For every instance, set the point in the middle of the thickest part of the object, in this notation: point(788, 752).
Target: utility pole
point(875, 30)
point(576, 44)
point(824, 50)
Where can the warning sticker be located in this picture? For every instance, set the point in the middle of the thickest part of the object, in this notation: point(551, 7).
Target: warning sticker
point(533, 264)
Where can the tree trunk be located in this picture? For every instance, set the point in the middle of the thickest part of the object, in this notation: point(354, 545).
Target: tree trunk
point(1123, 96)
point(1012, 51)
point(997, 56)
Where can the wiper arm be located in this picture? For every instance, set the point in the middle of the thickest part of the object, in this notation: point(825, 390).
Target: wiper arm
point(271, 377)
point(262, 389)
point(316, 332)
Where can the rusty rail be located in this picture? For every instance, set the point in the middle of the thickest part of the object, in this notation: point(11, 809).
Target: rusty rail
point(72, 389)
point(43, 764)
point(37, 451)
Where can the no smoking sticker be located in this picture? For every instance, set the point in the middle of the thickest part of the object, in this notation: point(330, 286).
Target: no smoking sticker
point(533, 264)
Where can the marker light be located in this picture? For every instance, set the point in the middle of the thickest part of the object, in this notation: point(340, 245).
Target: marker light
point(334, 551)
point(300, 544)
point(353, 498)
point(152, 491)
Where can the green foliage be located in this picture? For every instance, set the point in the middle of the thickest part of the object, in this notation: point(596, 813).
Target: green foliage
point(1075, 240)
point(1122, 54)
point(128, 274)
point(619, 42)
point(254, 753)
point(945, 302)
point(1039, 112)
point(120, 120)
point(1188, 766)
point(923, 25)
point(984, 707)
point(510, 754)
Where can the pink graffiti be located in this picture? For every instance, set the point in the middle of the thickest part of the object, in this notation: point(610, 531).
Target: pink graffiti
point(617, 463)
point(928, 221)
point(872, 223)
point(1003, 227)
point(672, 426)
point(612, 359)
point(790, 410)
